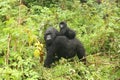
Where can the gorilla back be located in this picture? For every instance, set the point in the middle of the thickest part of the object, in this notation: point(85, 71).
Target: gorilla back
point(68, 48)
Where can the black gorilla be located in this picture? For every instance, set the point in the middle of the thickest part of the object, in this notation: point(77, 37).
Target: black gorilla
point(64, 30)
point(61, 46)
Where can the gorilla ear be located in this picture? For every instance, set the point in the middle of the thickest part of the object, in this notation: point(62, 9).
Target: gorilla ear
point(48, 37)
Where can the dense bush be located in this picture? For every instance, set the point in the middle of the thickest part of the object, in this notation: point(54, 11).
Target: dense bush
point(22, 25)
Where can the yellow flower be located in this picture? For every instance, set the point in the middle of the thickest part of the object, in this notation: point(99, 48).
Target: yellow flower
point(36, 53)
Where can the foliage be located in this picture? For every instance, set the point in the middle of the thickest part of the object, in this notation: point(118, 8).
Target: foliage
point(22, 26)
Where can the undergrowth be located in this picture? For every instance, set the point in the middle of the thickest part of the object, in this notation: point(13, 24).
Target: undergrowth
point(22, 25)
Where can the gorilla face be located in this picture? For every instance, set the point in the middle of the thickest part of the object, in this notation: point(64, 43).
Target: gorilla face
point(48, 37)
point(62, 25)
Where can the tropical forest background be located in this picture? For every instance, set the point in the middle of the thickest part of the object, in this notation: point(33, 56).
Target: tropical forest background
point(22, 46)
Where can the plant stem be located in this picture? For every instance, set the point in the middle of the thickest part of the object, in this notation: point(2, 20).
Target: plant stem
point(8, 50)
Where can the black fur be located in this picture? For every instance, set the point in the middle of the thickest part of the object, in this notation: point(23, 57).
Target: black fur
point(64, 30)
point(61, 46)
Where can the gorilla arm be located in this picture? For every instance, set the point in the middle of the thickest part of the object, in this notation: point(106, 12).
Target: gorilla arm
point(49, 57)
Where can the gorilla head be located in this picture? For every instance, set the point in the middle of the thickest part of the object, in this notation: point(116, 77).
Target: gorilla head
point(62, 25)
point(50, 35)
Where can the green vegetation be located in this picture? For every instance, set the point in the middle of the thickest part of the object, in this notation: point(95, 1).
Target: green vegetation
point(22, 25)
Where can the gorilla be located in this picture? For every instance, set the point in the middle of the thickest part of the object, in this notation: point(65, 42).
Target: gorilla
point(60, 46)
point(64, 30)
